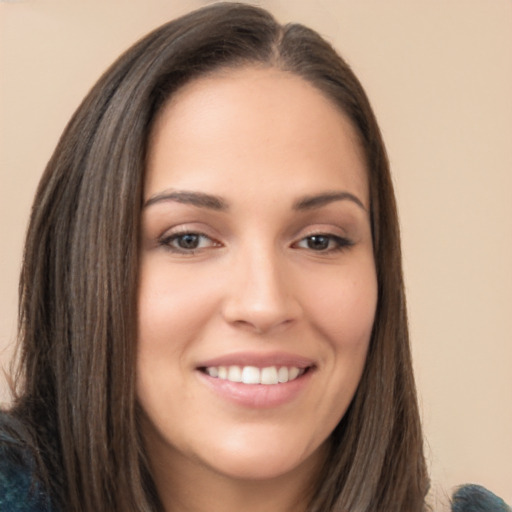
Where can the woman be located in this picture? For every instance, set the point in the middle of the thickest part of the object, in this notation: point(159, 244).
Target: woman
point(212, 307)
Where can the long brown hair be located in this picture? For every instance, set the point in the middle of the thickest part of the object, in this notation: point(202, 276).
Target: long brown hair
point(79, 279)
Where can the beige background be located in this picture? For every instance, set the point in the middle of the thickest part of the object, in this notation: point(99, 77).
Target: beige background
point(439, 74)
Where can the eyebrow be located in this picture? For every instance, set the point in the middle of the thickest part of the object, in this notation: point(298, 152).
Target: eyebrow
point(319, 200)
point(199, 199)
point(203, 200)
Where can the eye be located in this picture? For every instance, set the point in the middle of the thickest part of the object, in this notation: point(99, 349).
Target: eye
point(188, 242)
point(323, 243)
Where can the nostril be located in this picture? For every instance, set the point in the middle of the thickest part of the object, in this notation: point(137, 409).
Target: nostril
point(261, 325)
point(257, 315)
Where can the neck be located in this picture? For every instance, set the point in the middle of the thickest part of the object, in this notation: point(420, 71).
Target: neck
point(220, 494)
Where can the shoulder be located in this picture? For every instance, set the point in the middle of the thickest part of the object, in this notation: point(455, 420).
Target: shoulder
point(20, 491)
point(475, 498)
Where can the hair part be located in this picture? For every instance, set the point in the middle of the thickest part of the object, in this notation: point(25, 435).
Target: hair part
point(78, 287)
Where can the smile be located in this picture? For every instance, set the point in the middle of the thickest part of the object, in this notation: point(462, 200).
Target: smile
point(257, 380)
point(269, 375)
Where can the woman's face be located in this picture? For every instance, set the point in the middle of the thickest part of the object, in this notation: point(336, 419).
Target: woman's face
point(257, 279)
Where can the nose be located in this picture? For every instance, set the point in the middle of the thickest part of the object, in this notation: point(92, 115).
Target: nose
point(261, 295)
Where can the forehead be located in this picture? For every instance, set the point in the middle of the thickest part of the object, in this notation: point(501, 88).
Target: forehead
point(254, 123)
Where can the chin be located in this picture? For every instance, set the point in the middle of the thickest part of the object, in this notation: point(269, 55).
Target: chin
point(264, 459)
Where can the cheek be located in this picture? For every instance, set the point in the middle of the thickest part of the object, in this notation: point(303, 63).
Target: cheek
point(171, 305)
point(172, 310)
point(343, 312)
point(343, 306)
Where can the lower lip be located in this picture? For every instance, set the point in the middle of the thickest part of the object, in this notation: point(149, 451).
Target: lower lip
point(257, 396)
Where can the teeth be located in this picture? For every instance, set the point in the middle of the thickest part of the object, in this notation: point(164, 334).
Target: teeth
point(269, 375)
point(235, 374)
point(212, 371)
point(283, 374)
point(293, 373)
point(253, 375)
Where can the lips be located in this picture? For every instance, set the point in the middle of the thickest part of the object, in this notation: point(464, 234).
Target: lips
point(257, 380)
point(258, 360)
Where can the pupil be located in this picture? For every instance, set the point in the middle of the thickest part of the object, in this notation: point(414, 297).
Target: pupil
point(189, 241)
point(318, 242)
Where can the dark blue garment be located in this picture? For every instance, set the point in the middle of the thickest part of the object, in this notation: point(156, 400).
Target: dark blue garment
point(20, 491)
point(475, 498)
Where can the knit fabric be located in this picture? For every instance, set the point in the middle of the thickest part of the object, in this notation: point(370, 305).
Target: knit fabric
point(19, 489)
point(475, 498)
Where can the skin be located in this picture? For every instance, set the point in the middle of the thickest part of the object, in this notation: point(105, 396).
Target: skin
point(260, 141)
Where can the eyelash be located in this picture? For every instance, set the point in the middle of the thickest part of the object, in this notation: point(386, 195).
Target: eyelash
point(340, 243)
point(167, 242)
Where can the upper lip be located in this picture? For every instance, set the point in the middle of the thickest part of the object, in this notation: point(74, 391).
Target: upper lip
point(259, 360)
